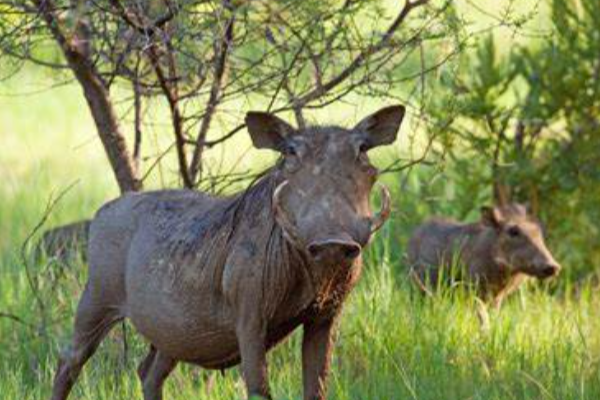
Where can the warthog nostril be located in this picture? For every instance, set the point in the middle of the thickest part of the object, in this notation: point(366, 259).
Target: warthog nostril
point(314, 250)
point(334, 250)
point(352, 251)
point(550, 270)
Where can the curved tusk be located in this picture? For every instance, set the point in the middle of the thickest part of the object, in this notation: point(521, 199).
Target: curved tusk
point(289, 230)
point(379, 219)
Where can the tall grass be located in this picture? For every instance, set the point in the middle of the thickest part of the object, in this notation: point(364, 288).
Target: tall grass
point(393, 342)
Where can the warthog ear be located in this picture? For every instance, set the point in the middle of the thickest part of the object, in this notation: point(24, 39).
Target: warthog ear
point(519, 209)
point(491, 216)
point(268, 131)
point(382, 127)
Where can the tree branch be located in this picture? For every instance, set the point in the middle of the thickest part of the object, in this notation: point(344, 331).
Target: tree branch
point(364, 54)
point(96, 95)
point(215, 92)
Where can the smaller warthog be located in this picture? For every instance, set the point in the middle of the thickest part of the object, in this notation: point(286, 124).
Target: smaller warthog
point(64, 243)
point(496, 253)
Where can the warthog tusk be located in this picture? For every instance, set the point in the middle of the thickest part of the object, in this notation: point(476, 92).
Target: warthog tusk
point(379, 219)
point(289, 229)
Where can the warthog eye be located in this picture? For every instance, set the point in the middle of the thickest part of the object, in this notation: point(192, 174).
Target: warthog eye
point(514, 231)
point(362, 156)
point(290, 150)
point(293, 156)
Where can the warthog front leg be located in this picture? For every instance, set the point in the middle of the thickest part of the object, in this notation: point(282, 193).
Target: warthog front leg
point(251, 336)
point(317, 345)
point(146, 363)
point(242, 288)
point(153, 372)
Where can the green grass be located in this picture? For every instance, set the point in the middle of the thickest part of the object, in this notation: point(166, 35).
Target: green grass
point(393, 343)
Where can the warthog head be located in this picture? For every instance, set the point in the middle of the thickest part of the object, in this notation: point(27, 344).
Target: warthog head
point(520, 244)
point(322, 202)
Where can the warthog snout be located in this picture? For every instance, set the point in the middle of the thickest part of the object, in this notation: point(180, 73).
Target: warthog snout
point(549, 270)
point(334, 250)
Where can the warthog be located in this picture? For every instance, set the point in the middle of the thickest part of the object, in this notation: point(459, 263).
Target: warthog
point(220, 281)
point(64, 243)
point(496, 253)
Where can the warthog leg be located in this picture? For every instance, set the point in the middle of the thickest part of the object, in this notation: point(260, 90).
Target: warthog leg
point(92, 322)
point(317, 344)
point(146, 363)
point(251, 336)
point(155, 374)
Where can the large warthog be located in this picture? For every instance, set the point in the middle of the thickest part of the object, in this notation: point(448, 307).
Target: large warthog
point(496, 253)
point(220, 281)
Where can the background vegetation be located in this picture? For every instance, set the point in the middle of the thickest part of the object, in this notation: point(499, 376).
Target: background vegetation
point(513, 113)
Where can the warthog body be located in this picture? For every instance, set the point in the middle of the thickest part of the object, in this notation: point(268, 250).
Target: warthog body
point(219, 281)
point(496, 253)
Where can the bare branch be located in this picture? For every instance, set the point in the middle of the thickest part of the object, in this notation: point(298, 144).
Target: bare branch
point(364, 55)
point(222, 49)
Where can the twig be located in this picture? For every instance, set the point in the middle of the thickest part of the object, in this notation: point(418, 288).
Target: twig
point(365, 54)
point(220, 66)
point(16, 318)
point(30, 279)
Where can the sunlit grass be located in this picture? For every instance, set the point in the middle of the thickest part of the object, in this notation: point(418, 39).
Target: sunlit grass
point(393, 343)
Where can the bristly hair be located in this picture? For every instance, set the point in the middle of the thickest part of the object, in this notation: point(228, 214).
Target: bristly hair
point(264, 183)
point(195, 228)
point(280, 257)
point(204, 239)
point(200, 239)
